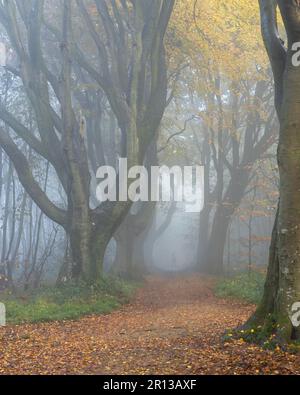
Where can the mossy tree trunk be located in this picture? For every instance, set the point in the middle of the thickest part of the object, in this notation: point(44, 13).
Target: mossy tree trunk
point(282, 287)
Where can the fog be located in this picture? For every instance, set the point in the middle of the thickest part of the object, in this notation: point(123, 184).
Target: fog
point(61, 121)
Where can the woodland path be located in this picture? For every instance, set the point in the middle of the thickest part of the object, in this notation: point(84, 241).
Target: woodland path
point(173, 326)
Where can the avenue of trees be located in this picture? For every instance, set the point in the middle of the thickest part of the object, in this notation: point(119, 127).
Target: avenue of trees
point(87, 82)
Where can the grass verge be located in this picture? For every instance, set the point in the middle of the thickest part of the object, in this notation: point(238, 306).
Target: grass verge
point(67, 302)
point(244, 286)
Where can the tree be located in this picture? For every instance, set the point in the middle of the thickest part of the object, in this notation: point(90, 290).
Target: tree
point(129, 67)
point(282, 283)
point(232, 101)
point(133, 231)
point(250, 134)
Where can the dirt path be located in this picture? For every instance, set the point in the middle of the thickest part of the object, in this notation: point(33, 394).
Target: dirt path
point(172, 327)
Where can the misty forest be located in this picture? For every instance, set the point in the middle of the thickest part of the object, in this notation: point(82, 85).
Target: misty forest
point(205, 279)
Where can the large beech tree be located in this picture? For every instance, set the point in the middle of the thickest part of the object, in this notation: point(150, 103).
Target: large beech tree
point(282, 288)
point(128, 65)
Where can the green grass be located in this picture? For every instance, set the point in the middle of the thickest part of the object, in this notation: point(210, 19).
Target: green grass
point(67, 302)
point(244, 286)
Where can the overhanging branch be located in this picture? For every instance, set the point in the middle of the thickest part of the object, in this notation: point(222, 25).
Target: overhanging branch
point(29, 183)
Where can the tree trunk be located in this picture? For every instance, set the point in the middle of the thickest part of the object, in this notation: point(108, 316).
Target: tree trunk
point(282, 287)
point(283, 282)
point(203, 239)
point(130, 239)
point(217, 241)
point(222, 218)
point(124, 266)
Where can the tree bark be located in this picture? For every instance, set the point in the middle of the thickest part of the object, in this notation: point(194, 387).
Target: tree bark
point(282, 287)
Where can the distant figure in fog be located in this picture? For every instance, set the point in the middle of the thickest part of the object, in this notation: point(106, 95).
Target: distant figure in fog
point(173, 261)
